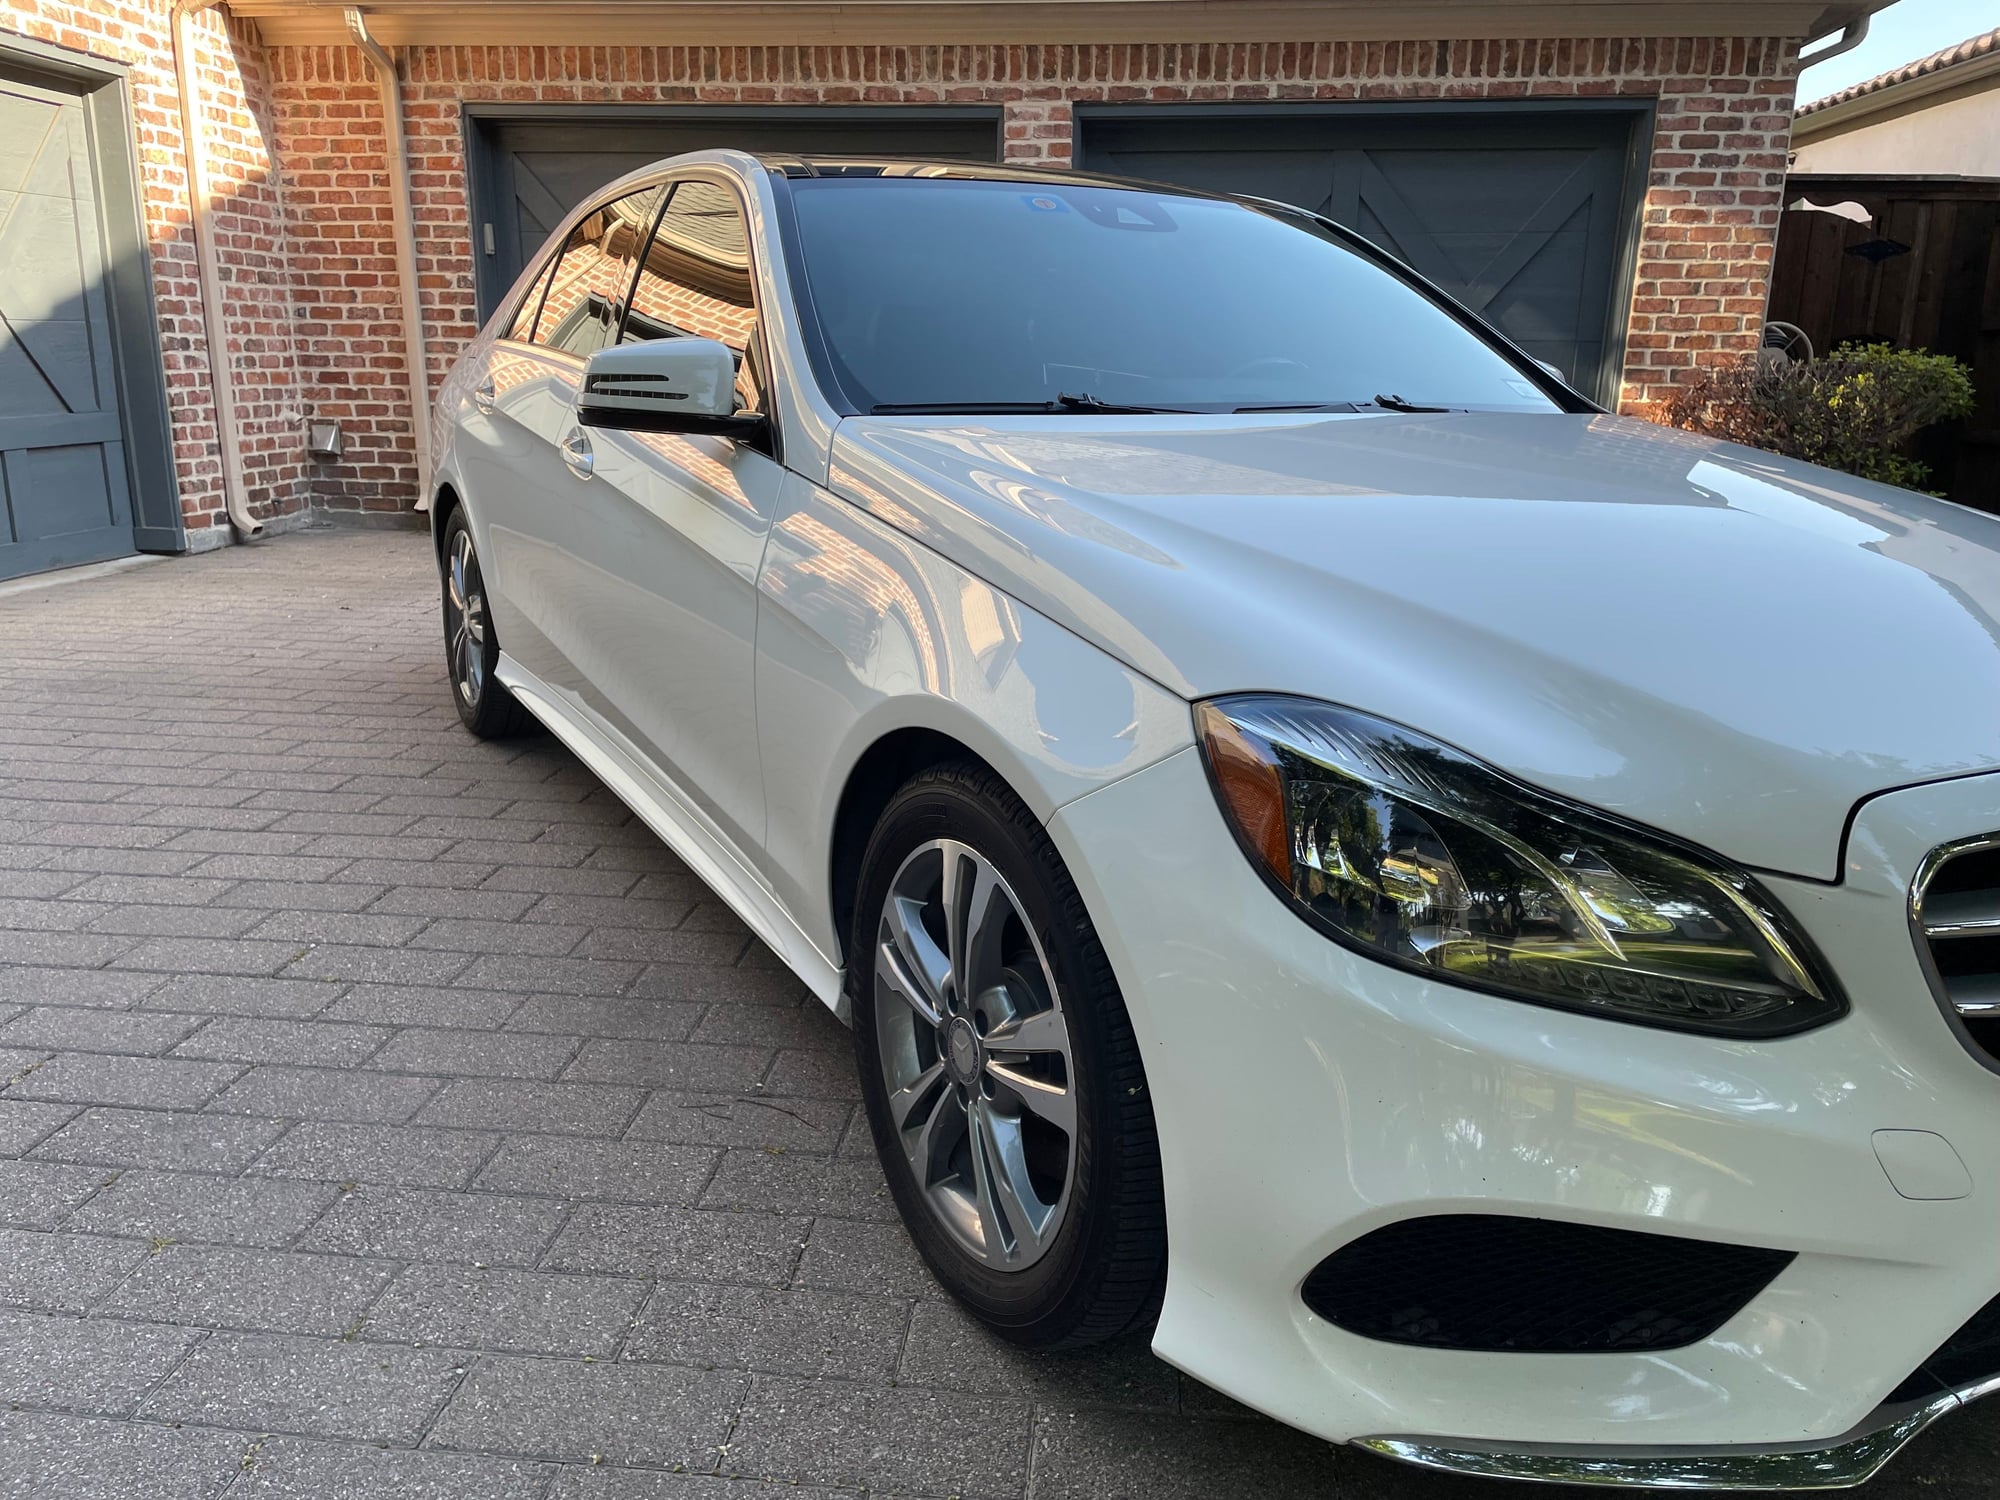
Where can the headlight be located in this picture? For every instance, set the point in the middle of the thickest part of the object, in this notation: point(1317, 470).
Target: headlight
point(1414, 853)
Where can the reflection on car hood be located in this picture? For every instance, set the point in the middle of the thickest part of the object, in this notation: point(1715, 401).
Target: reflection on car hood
point(1708, 639)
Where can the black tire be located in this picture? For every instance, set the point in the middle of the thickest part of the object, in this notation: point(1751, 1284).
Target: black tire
point(1103, 1268)
point(471, 648)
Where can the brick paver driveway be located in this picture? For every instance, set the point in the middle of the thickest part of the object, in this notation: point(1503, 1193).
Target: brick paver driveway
point(389, 1114)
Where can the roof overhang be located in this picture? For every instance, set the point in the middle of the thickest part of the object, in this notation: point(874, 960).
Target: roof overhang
point(1973, 75)
point(581, 23)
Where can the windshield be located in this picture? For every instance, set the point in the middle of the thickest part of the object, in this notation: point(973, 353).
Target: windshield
point(988, 295)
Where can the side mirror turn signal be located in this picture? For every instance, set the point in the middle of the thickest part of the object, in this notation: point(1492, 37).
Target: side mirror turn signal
point(665, 385)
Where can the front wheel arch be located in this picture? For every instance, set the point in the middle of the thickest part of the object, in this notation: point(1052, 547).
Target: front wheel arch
point(444, 504)
point(882, 770)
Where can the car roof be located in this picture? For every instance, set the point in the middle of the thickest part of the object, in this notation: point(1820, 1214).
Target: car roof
point(787, 164)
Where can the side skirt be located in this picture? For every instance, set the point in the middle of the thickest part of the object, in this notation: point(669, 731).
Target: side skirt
point(619, 765)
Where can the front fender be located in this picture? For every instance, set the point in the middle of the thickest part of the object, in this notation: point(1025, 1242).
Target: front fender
point(863, 631)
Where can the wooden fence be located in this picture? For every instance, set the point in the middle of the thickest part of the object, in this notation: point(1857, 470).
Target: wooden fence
point(1924, 274)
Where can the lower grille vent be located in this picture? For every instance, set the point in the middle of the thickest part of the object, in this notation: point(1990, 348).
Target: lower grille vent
point(1958, 917)
point(1488, 1282)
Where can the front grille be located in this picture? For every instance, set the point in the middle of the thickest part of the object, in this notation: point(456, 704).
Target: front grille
point(1500, 1284)
point(1970, 1355)
point(1957, 909)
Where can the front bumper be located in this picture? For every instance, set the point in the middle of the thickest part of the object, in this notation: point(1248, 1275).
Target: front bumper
point(1852, 1458)
point(1306, 1096)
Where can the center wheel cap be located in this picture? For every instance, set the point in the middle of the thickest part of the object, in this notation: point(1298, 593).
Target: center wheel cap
point(961, 1051)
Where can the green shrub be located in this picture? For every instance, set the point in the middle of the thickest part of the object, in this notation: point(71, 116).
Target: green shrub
point(1853, 410)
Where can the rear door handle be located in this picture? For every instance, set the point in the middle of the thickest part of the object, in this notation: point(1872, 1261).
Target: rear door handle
point(576, 453)
point(484, 396)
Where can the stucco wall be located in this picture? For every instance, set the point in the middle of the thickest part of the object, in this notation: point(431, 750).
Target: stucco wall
point(1936, 138)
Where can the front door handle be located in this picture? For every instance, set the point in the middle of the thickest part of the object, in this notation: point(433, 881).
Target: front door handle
point(484, 396)
point(576, 453)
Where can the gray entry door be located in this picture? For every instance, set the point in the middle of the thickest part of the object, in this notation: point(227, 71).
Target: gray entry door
point(1521, 216)
point(529, 173)
point(62, 449)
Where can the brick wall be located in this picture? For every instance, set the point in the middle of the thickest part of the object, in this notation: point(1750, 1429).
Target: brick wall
point(310, 264)
point(1710, 217)
point(251, 234)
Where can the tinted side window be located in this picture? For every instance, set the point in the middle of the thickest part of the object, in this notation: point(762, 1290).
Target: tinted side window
point(695, 282)
point(587, 296)
point(523, 326)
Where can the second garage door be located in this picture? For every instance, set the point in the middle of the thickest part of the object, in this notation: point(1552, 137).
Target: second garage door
point(530, 170)
point(1525, 214)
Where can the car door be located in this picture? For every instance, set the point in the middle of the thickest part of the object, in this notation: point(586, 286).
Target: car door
point(666, 533)
point(523, 481)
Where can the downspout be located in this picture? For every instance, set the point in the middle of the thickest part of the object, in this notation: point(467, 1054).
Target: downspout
point(201, 221)
point(416, 356)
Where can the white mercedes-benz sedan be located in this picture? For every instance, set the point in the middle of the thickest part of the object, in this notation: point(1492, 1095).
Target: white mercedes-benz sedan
point(1476, 920)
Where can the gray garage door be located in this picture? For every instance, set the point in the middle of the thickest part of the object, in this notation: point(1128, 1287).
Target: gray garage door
point(530, 171)
point(1523, 215)
point(64, 495)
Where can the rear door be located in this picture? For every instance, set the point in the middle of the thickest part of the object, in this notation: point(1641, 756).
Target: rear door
point(64, 495)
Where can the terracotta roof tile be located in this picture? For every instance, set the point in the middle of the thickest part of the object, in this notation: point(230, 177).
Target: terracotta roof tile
point(1965, 51)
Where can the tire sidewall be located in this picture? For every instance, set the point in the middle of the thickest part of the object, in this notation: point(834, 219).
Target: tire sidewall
point(933, 809)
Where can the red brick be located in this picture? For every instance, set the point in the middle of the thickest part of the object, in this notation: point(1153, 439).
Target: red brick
point(313, 316)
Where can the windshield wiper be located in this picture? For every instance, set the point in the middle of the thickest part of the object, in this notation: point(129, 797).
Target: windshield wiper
point(1397, 403)
point(1084, 401)
point(1062, 403)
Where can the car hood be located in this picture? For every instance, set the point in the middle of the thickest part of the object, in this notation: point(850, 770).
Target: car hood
point(1704, 638)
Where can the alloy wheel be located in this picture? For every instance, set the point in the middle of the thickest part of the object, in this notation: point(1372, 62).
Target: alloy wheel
point(975, 1055)
point(465, 620)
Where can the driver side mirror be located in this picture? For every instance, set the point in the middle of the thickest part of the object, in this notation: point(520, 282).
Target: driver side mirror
point(665, 385)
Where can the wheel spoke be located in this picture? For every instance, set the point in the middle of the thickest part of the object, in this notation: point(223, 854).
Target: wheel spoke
point(1005, 1191)
point(1051, 1101)
point(976, 909)
point(985, 1185)
point(1038, 1031)
point(928, 1144)
point(951, 897)
point(475, 617)
point(461, 549)
point(910, 963)
point(905, 1102)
